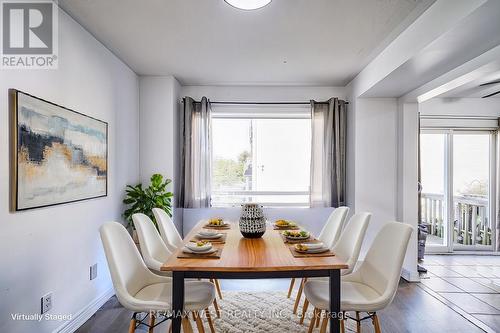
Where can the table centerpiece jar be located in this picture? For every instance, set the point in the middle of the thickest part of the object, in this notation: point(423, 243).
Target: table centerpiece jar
point(252, 221)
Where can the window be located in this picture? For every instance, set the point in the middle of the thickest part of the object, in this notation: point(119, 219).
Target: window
point(261, 155)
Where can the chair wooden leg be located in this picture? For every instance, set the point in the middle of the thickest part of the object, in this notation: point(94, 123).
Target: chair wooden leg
point(209, 319)
point(324, 323)
point(318, 320)
point(299, 295)
point(133, 322)
point(304, 310)
point(217, 309)
point(199, 323)
point(151, 322)
point(342, 325)
point(376, 323)
point(290, 289)
point(358, 323)
point(313, 320)
point(170, 328)
point(217, 287)
point(186, 325)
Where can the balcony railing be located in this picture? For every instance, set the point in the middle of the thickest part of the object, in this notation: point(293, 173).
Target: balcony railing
point(471, 224)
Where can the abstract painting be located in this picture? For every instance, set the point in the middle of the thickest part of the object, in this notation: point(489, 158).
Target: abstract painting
point(57, 155)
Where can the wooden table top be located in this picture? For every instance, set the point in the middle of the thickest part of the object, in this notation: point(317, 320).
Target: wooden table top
point(266, 254)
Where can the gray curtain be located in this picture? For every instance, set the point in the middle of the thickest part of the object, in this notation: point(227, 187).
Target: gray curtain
point(193, 188)
point(328, 153)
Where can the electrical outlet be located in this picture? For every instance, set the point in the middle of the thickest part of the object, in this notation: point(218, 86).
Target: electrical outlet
point(46, 303)
point(93, 271)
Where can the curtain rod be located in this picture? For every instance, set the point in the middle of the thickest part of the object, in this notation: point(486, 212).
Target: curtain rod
point(264, 103)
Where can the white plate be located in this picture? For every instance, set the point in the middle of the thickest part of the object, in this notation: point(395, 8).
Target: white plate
point(209, 251)
point(213, 236)
point(313, 246)
point(207, 233)
point(192, 246)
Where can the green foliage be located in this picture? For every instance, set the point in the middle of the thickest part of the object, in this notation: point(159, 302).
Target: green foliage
point(139, 200)
point(229, 171)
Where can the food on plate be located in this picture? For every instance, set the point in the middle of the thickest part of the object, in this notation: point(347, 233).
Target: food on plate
point(199, 246)
point(282, 223)
point(296, 234)
point(217, 221)
point(301, 247)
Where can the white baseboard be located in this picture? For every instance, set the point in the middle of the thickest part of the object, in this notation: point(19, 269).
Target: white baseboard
point(84, 314)
point(410, 276)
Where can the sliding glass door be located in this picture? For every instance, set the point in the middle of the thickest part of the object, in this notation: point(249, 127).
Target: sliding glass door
point(433, 180)
point(457, 199)
point(472, 157)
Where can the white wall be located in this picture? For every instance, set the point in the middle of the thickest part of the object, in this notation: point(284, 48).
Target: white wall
point(407, 180)
point(374, 136)
point(158, 104)
point(51, 249)
point(263, 93)
point(312, 219)
point(375, 162)
point(461, 107)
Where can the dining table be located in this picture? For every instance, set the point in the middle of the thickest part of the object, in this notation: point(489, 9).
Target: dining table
point(252, 258)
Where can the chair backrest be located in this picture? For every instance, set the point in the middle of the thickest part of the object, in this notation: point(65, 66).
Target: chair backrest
point(128, 271)
point(153, 249)
point(382, 265)
point(168, 231)
point(333, 227)
point(349, 244)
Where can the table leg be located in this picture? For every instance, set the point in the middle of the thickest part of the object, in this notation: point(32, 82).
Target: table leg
point(335, 301)
point(177, 301)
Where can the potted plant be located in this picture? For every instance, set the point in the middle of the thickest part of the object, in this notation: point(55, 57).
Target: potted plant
point(143, 200)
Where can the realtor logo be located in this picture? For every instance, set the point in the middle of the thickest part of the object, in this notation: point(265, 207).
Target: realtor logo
point(29, 34)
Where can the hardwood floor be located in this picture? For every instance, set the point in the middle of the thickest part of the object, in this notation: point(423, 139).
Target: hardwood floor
point(413, 310)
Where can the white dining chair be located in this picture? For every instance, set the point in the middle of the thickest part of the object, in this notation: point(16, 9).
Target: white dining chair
point(328, 236)
point(168, 231)
point(155, 252)
point(333, 226)
point(153, 249)
point(140, 290)
point(347, 248)
point(173, 239)
point(373, 285)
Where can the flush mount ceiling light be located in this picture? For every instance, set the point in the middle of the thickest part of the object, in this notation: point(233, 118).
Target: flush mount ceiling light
point(248, 4)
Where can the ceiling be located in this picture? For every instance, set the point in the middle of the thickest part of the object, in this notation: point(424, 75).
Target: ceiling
point(293, 42)
point(473, 89)
point(470, 38)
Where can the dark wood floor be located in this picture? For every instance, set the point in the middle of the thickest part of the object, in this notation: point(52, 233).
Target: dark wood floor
point(413, 310)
